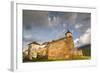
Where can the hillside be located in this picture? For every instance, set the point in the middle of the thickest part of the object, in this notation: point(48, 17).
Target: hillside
point(86, 49)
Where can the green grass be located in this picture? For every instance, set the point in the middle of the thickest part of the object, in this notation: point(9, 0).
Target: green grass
point(73, 58)
point(81, 57)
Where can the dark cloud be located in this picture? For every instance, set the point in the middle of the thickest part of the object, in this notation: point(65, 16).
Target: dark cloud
point(34, 18)
point(41, 26)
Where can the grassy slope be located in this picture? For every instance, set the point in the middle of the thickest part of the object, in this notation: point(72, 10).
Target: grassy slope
point(86, 50)
point(74, 58)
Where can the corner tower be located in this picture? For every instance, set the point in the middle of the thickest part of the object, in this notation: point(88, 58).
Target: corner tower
point(69, 40)
point(68, 34)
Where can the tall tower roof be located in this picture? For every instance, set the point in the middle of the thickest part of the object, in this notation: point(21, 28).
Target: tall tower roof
point(68, 32)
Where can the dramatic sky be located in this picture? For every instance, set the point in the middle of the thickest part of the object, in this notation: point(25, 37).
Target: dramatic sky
point(44, 26)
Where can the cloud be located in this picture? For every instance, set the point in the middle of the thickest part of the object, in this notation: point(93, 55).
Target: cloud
point(35, 17)
point(72, 18)
point(54, 21)
point(28, 36)
point(76, 42)
point(83, 39)
point(77, 26)
point(41, 26)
